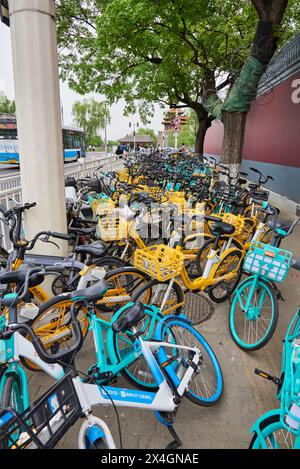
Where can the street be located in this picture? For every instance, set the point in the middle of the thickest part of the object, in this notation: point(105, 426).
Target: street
point(7, 170)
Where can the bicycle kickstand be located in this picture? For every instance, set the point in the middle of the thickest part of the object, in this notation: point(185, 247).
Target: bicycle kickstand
point(176, 443)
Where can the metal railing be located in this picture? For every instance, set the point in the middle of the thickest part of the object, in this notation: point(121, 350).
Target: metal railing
point(11, 192)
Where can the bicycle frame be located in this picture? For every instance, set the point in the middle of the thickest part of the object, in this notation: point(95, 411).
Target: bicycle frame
point(14, 348)
point(252, 313)
point(91, 395)
point(101, 329)
point(162, 400)
point(201, 283)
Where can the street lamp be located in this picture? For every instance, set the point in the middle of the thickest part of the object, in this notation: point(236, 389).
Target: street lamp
point(135, 125)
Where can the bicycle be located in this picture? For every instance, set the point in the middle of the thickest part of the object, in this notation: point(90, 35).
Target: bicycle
point(164, 264)
point(280, 428)
point(254, 307)
point(174, 366)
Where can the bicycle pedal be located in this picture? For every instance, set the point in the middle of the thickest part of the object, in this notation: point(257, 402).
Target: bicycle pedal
point(267, 376)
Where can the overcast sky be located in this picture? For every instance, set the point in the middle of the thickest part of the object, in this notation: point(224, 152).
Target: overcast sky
point(119, 124)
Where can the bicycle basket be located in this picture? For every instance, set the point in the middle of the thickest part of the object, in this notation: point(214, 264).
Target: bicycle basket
point(113, 228)
point(44, 423)
point(160, 262)
point(268, 261)
point(289, 393)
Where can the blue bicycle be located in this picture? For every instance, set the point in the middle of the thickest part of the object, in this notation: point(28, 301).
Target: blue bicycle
point(178, 357)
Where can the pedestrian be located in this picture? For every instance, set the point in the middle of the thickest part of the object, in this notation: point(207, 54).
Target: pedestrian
point(119, 151)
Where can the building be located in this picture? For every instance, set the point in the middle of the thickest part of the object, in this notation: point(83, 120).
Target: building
point(272, 135)
point(140, 140)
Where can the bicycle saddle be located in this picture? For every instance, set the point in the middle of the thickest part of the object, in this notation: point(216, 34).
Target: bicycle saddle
point(82, 231)
point(18, 276)
point(93, 293)
point(253, 186)
point(222, 228)
point(284, 224)
point(96, 249)
point(132, 316)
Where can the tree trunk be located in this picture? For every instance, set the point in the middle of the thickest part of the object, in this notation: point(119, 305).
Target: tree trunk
point(233, 142)
point(203, 125)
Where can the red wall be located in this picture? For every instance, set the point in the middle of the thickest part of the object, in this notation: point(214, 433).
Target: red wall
point(272, 129)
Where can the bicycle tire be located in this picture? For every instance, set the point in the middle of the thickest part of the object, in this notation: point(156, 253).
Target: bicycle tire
point(207, 243)
point(6, 399)
point(128, 373)
point(233, 283)
point(268, 427)
point(273, 322)
point(194, 338)
point(58, 307)
point(177, 289)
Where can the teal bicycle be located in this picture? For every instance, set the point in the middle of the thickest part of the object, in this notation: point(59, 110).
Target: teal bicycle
point(254, 308)
point(115, 353)
point(280, 428)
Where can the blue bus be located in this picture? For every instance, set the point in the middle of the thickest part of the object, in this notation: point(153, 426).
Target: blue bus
point(73, 141)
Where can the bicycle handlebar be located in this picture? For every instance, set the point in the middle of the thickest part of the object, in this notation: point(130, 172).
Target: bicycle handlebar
point(38, 345)
point(215, 219)
point(29, 245)
point(295, 264)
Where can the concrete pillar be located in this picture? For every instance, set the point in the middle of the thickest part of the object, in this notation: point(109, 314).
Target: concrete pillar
point(34, 51)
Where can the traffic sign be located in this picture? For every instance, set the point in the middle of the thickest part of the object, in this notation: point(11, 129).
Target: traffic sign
point(4, 12)
point(177, 120)
point(176, 130)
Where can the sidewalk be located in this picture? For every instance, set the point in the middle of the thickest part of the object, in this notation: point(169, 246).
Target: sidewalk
point(246, 396)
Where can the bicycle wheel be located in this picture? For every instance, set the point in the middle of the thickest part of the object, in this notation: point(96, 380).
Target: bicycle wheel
point(155, 293)
point(192, 245)
point(12, 397)
point(53, 327)
point(275, 435)
point(206, 385)
point(251, 328)
point(117, 250)
point(138, 372)
point(231, 263)
point(126, 281)
point(204, 251)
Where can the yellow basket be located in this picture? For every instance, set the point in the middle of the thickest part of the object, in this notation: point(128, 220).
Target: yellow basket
point(123, 175)
point(113, 228)
point(103, 207)
point(160, 262)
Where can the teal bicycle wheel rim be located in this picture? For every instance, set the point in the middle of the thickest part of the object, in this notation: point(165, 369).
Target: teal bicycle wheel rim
point(270, 429)
point(233, 331)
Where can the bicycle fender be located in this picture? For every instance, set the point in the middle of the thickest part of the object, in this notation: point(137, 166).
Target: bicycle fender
point(93, 434)
point(256, 426)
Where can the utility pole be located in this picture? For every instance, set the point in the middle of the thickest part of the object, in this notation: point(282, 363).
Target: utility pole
point(34, 51)
point(176, 131)
point(135, 126)
point(105, 130)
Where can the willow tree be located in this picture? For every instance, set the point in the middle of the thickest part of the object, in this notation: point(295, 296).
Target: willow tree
point(6, 105)
point(92, 116)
